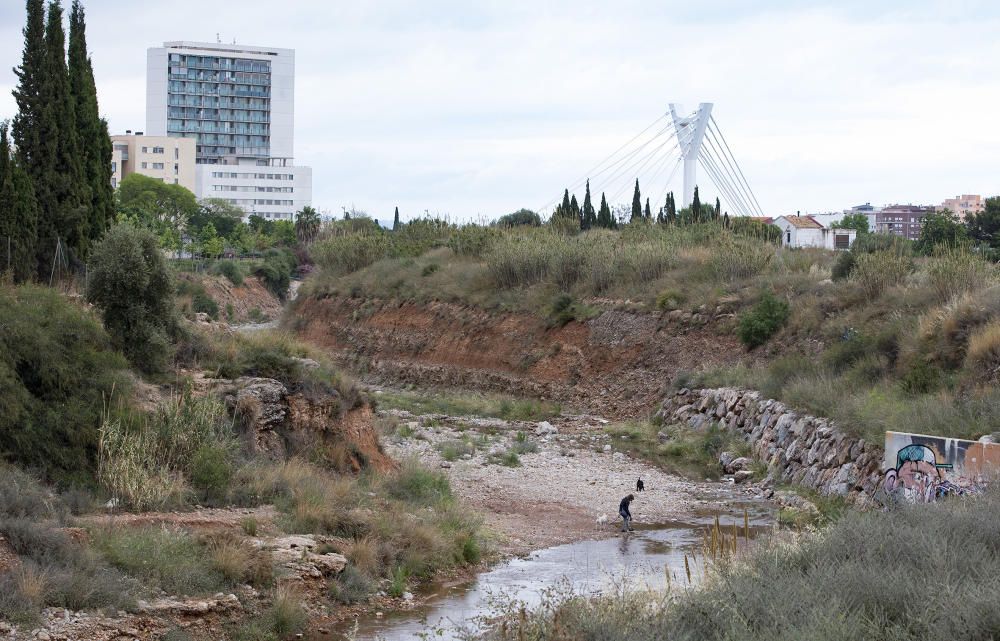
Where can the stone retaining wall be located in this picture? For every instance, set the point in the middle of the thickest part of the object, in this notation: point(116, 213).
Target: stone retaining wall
point(797, 448)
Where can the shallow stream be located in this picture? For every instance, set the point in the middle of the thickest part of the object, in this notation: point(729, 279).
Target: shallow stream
point(641, 559)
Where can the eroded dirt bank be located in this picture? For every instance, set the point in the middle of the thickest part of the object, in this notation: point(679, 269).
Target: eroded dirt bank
point(616, 364)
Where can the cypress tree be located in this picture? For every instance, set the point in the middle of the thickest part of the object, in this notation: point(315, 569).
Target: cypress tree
point(725, 220)
point(636, 203)
point(574, 210)
point(646, 214)
point(696, 206)
point(671, 208)
point(28, 94)
point(604, 219)
point(395, 220)
point(563, 209)
point(718, 209)
point(18, 211)
point(589, 217)
point(94, 141)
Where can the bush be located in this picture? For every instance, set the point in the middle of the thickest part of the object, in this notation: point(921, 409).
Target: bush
point(128, 278)
point(956, 270)
point(58, 369)
point(417, 485)
point(763, 321)
point(878, 271)
point(844, 266)
point(230, 270)
point(351, 586)
point(202, 303)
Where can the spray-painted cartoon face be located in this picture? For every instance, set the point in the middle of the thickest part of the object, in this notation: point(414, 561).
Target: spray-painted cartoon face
point(916, 476)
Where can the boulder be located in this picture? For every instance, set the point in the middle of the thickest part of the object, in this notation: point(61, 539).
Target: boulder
point(329, 564)
point(545, 428)
point(725, 459)
point(742, 475)
point(739, 464)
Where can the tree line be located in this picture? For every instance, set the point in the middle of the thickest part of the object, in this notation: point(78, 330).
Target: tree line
point(55, 157)
point(603, 218)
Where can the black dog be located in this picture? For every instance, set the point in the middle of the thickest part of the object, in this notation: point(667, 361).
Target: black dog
point(640, 486)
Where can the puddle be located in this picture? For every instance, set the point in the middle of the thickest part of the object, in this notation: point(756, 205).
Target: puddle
point(641, 559)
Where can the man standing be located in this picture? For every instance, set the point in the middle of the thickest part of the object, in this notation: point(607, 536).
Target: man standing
point(625, 514)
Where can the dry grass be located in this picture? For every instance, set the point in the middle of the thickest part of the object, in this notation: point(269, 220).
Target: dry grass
point(879, 271)
point(983, 356)
point(363, 553)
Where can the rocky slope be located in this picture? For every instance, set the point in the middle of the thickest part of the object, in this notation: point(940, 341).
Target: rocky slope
point(616, 364)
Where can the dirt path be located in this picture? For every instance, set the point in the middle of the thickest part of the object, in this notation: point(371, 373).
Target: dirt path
point(566, 491)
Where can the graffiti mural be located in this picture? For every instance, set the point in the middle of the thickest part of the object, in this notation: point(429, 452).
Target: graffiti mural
point(920, 469)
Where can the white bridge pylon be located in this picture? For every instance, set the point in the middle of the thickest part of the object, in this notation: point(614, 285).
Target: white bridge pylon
point(690, 135)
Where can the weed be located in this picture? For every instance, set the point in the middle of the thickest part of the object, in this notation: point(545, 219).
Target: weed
point(763, 320)
point(350, 586)
point(249, 526)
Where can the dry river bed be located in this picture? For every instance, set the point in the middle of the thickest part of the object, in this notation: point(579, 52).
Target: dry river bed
point(568, 490)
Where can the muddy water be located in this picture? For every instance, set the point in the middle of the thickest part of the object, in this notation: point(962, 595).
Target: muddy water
point(642, 559)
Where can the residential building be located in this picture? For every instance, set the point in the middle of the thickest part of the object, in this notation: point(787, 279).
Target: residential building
point(963, 205)
point(902, 220)
point(806, 231)
point(171, 160)
point(238, 103)
point(870, 211)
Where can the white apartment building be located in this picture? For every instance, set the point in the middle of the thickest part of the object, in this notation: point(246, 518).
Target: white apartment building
point(171, 160)
point(238, 103)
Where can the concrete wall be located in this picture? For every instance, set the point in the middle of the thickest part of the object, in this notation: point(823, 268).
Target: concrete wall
point(920, 468)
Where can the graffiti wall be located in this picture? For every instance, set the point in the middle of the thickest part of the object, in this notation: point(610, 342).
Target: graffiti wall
point(920, 468)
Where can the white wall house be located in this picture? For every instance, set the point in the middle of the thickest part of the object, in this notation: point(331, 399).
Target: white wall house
point(805, 231)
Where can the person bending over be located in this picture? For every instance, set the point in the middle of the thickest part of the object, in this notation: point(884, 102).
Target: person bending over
point(623, 511)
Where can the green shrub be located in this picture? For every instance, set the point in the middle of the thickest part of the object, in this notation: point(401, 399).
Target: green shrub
point(764, 320)
point(230, 270)
point(212, 470)
point(429, 269)
point(417, 485)
point(844, 266)
point(128, 278)
point(670, 299)
point(202, 303)
point(351, 586)
point(55, 571)
point(873, 243)
point(257, 316)
point(58, 369)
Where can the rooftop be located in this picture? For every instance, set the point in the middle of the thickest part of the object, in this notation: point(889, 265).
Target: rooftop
point(803, 222)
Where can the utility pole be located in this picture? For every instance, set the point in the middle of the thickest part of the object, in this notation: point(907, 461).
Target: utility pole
point(690, 131)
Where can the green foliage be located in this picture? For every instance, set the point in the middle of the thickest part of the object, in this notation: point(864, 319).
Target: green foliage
point(763, 321)
point(152, 204)
point(307, 224)
point(942, 228)
point(418, 486)
point(351, 586)
point(858, 222)
point(984, 226)
point(57, 370)
point(130, 281)
point(844, 265)
point(231, 270)
point(875, 272)
point(276, 271)
point(18, 215)
point(202, 303)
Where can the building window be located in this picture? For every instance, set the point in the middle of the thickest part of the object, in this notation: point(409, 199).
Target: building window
point(157, 150)
point(144, 165)
point(177, 153)
point(176, 169)
point(145, 150)
point(157, 165)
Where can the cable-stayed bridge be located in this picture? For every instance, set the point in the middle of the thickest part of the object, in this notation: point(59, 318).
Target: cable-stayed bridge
point(676, 141)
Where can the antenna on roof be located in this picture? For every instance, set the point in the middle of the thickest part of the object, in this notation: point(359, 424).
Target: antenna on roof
point(218, 39)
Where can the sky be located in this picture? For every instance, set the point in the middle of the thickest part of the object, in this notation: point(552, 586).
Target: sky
point(471, 109)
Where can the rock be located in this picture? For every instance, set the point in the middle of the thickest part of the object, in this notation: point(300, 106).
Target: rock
point(407, 596)
point(742, 475)
point(545, 428)
point(618, 456)
point(307, 363)
point(739, 464)
point(602, 519)
point(330, 563)
point(445, 464)
point(41, 635)
point(662, 436)
point(112, 504)
point(725, 459)
point(607, 448)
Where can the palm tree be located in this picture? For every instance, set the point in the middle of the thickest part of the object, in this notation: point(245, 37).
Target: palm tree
point(307, 224)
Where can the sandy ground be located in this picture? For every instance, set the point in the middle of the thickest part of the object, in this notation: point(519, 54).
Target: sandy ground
point(568, 490)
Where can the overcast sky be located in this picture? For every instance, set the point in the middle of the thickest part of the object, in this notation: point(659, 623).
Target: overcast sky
point(474, 109)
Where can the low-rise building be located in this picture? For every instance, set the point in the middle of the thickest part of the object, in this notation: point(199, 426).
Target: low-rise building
point(806, 231)
point(171, 160)
point(963, 205)
point(902, 220)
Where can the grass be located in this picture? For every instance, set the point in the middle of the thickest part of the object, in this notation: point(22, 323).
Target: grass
point(454, 403)
point(853, 580)
point(285, 617)
point(686, 452)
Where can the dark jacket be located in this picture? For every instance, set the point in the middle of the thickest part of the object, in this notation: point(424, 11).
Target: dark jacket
point(623, 507)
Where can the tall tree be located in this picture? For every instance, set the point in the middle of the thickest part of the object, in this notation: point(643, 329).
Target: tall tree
point(589, 216)
point(18, 213)
point(92, 130)
point(718, 209)
point(636, 203)
point(671, 208)
point(56, 171)
point(604, 219)
point(307, 224)
point(395, 220)
point(647, 214)
point(696, 207)
point(574, 210)
point(984, 227)
point(564, 208)
point(28, 94)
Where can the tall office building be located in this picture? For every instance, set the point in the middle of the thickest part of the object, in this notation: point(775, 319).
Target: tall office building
point(238, 103)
